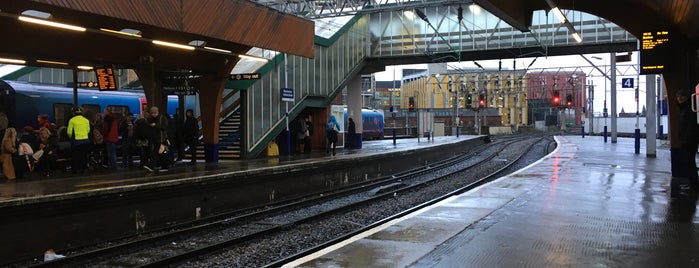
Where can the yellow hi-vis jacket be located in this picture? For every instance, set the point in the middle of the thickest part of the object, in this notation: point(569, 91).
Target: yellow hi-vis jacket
point(78, 128)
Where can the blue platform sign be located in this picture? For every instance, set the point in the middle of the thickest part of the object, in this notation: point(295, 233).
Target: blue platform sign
point(627, 83)
point(287, 94)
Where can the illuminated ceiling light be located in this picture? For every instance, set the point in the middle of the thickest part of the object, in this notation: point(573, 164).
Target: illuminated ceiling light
point(52, 62)
point(409, 14)
point(475, 9)
point(219, 50)
point(52, 24)
point(556, 11)
point(577, 37)
point(175, 45)
point(126, 32)
point(85, 68)
point(13, 61)
point(253, 57)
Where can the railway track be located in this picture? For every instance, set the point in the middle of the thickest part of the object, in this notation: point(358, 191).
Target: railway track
point(189, 242)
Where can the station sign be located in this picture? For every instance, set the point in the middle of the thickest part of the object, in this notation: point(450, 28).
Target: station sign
point(181, 85)
point(246, 76)
point(287, 94)
point(106, 79)
point(655, 51)
point(627, 83)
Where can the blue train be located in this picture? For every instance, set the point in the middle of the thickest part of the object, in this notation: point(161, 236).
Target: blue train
point(23, 102)
point(372, 124)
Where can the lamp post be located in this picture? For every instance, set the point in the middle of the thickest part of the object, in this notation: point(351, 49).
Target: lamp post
point(605, 112)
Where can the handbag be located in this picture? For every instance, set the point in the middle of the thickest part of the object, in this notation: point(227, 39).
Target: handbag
point(37, 155)
point(24, 149)
point(162, 149)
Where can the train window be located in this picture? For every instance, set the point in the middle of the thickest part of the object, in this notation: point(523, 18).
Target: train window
point(118, 110)
point(89, 110)
point(62, 112)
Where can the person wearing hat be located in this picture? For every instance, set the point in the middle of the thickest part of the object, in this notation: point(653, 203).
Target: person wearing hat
point(79, 133)
point(688, 136)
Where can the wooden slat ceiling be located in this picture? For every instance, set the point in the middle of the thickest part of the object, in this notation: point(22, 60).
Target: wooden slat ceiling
point(227, 24)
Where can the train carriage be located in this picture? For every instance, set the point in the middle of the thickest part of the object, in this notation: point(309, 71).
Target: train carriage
point(22, 102)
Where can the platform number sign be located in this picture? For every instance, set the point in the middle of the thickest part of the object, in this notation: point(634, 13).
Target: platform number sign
point(627, 83)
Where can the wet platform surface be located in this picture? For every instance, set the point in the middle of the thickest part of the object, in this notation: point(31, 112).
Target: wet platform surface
point(588, 204)
point(61, 184)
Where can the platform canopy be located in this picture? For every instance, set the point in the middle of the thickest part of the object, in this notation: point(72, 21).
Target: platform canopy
point(680, 17)
point(124, 32)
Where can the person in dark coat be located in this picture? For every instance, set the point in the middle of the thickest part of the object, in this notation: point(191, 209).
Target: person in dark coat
point(191, 135)
point(45, 157)
point(688, 136)
point(157, 136)
point(308, 139)
point(351, 131)
point(128, 141)
point(141, 140)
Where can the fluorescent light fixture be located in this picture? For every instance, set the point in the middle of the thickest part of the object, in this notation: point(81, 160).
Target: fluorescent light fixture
point(175, 45)
point(126, 32)
point(52, 24)
point(253, 57)
point(52, 62)
point(556, 11)
point(85, 68)
point(577, 37)
point(13, 61)
point(219, 50)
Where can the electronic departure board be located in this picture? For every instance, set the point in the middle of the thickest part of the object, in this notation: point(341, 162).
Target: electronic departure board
point(655, 51)
point(106, 80)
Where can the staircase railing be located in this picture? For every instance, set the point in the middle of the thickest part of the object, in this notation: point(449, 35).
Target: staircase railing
point(315, 83)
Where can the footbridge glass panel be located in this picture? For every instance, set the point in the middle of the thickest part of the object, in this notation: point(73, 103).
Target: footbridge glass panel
point(404, 32)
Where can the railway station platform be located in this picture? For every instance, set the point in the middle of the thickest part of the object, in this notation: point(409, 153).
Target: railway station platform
point(66, 210)
point(63, 184)
point(588, 204)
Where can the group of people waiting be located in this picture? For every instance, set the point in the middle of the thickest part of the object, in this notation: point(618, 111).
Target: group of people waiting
point(157, 139)
point(30, 149)
point(153, 136)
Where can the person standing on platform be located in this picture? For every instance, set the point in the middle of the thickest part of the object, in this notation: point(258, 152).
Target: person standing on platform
point(300, 135)
point(9, 148)
point(191, 135)
point(331, 130)
point(128, 142)
point(79, 132)
point(110, 130)
point(141, 139)
point(351, 131)
point(157, 137)
point(308, 139)
point(4, 122)
point(688, 136)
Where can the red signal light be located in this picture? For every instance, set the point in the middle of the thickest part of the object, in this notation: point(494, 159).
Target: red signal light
point(556, 99)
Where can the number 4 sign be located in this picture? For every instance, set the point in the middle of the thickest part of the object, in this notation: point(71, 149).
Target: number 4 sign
point(627, 83)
